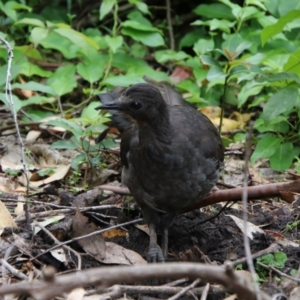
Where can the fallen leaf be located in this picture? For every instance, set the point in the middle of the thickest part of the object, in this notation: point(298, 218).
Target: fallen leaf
point(59, 254)
point(33, 135)
point(6, 219)
point(95, 245)
point(116, 254)
point(46, 221)
point(143, 227)
point(76, 294)
point(113, 233)
point(60, 172)
point(251, 228)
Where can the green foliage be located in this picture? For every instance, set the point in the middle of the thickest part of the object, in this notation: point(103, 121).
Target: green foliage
point(246, 55)
point(276, 260)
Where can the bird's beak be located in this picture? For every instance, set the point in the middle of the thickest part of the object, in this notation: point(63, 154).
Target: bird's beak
point(114, 105)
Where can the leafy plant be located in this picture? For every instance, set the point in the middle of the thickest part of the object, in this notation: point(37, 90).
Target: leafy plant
point(276, 260)
point(245, 57)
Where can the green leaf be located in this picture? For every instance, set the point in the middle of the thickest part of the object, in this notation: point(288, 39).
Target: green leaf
point(15, 70)
point(216, 73)
point(106, 7)
point(124, 80)
point(265, 147)
point(143, 7)
point(10, 9)
point(235, 45)
point(63, 80)
point(38, 100)
point(281, 76)
point(209, 61)
point(79, 39)
point(30, 69)
point(214, 10)
point(151, 39)
point(278, 124)
point(64, 145)
point(123, 61)
point(274, 107)
point(163, 56)
point(282, 158)
point(257, 3)
point(90, 71)
point(69, 125)
point(270, 31)
point(293, 63)
point(34, 86)
point(241, 47)
point(114, 42)
point(29, 52)
point(31, 21)
point(280, 258)
point(38, 34)
point(56, 41)
point(78, 160)
point(248, 90)
point(17, 102)
point(214, 24)
point(139, 26)
point(89, 114)
point(204, 45)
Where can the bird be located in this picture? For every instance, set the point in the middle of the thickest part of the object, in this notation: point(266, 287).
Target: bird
point(171, 154)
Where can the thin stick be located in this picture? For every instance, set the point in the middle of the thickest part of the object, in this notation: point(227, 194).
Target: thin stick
point(58, 243)
point(245, 215)
point(185, 290)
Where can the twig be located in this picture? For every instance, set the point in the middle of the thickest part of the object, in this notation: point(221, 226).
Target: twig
point(58, 243)
point(107, 276)
point(273, 248)
point(176, 282)
point(245, 215)
point(87, 235)
point(254, 193)
point(185, 290)
point(61, 211)
point(9, 98)
point(279, 272)
point(13, 270)
point(205, 292)
point(170, 25)
point(118, 290)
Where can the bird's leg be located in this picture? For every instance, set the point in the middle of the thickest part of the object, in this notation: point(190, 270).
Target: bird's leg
point(154, 253)
point(165, 242)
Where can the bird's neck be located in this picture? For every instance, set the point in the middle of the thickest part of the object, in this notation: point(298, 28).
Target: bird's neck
point(156, 129)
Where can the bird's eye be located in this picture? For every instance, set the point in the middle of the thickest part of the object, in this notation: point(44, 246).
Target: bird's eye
point(136, 105)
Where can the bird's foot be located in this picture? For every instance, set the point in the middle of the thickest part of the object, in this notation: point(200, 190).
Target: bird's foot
point(155, 254)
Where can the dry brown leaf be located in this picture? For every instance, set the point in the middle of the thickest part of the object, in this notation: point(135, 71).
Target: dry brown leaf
point(116, 254)
point(113, 233)
point(60, 172)
point(95, 245)
point(143, 227)
point(211, 112)
point(251, 228)
point(76, 294)
point(6, 219)
point(25, 93)
point(33, 135)
point(19, 210)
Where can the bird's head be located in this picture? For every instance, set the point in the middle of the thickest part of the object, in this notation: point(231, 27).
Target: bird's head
point(143, 102)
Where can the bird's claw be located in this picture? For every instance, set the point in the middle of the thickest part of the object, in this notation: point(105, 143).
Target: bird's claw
point(155, 254)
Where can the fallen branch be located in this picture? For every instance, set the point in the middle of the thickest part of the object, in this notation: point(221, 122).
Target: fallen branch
point(254, 193)
point(105, 277)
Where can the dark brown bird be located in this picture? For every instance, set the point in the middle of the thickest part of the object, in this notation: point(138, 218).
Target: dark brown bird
point(171, 155)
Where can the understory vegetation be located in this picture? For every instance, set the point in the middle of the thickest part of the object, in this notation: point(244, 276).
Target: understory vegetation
point(240, 55)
